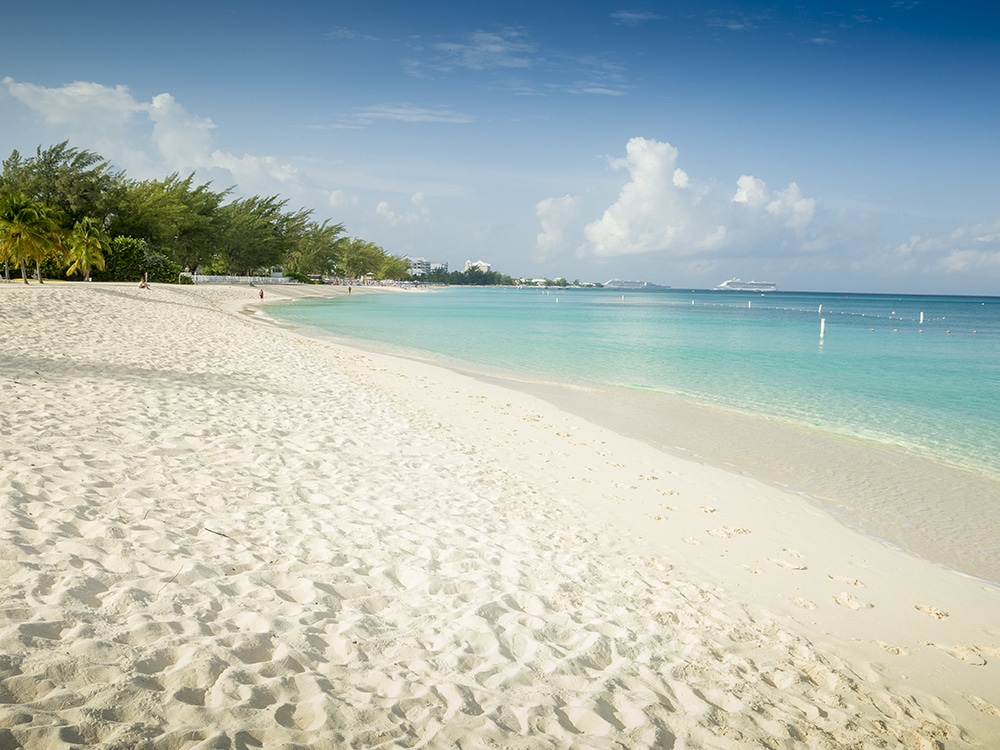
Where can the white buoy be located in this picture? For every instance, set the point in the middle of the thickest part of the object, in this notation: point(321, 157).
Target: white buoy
point(749, 303)
point(921, 318)
point(822, 327)
point(820, 311)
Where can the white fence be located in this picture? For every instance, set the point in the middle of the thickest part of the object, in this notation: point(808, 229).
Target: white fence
point(200, 278)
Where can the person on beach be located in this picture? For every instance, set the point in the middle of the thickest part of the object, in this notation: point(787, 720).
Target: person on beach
point(262, 294)
point(144, 282)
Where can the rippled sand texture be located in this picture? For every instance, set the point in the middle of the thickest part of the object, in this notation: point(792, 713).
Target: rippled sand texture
point(217, 533)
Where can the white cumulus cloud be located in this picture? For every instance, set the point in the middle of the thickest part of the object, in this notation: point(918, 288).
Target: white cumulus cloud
point(146, 138)
point(663, 210)
point(965, 250)
point(556, 215)
point(418, 213)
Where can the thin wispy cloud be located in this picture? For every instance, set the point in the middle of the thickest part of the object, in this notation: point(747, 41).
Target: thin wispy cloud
point(635, 18)
point(410, 113)
point(738, 22)
point(485, 50)
point(343, 33)
point(589, 88)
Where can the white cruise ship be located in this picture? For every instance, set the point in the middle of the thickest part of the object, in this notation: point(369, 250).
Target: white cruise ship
point(626, 284)
point(748, 286)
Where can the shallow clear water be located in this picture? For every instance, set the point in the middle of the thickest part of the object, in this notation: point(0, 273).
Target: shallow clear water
point(932, 388)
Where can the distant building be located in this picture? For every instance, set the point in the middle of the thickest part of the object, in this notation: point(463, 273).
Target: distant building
point(424, 267)
point(419, 266)
point(479, 265)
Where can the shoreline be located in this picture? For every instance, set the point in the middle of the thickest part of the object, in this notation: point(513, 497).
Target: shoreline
point(218, 530)
point(895, 497)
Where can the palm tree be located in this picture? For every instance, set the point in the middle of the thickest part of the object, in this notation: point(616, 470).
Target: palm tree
point(86, 247)
point(29, 230)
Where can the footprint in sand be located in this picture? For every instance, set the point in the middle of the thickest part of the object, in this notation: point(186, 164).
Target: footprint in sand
point(846, 600)
point(727, 531)
point(803, 603)
point(981, 705)
point(789, 564)
point(963, 653)
point(707, 509)
point(927, 609)
point(848, 581)
point(889, 648)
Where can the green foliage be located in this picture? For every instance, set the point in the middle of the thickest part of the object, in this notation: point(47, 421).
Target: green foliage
point(161, 227)
point(257, 234)
point(72, 184)
point(357, 258)
point(472, 277)
point(76, 183)
point(126, 260)
point(175, 217)
point(86, 247)
point(393, 267)
point(160, 268)
point(130, 259)
point(299, 277)
point(29, 232)
point(317, 251)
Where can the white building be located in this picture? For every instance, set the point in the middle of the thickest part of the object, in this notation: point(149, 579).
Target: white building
point(424, 267)
point(480, 265)
point(419, 266)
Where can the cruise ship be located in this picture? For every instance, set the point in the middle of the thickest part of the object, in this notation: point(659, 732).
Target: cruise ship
point(626, 284)
point(748, 286)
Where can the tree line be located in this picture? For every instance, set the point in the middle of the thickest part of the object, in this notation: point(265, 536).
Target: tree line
point(66, 212)
point(471, 277)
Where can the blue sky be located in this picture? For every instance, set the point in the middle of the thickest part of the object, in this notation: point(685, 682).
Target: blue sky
point(823, 146)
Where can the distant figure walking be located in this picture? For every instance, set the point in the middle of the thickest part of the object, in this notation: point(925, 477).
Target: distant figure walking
point(262, 294)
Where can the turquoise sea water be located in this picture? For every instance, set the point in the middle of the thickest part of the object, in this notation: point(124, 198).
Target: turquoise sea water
point(877, 372)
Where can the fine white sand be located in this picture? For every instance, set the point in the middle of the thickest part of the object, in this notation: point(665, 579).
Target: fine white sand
point(217, 533)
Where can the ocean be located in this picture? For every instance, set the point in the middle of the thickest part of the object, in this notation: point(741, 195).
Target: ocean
point(913, 381)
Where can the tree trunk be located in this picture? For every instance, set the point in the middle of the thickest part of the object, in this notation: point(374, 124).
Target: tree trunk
point(24, 272)
point(38, 270)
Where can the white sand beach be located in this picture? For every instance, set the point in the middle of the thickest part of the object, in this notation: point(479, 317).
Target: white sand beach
point(219, 533)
